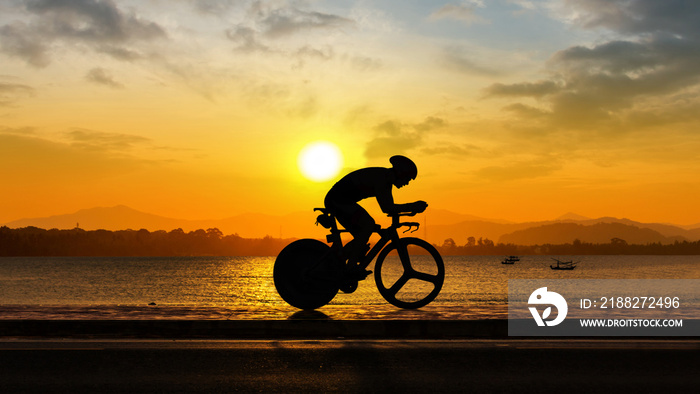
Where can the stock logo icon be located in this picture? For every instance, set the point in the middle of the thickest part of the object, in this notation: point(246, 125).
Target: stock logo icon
point(543, 297)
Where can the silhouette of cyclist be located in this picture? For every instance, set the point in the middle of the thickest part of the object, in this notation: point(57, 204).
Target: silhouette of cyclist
point(342, 201)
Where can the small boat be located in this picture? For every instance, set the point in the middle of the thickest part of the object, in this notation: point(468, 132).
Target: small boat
point(563, 265)
point(510, 260)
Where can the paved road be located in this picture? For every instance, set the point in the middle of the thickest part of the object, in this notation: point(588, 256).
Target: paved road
point(49, 366)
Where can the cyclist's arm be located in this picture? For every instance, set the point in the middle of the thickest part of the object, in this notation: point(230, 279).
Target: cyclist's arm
point(386, 203)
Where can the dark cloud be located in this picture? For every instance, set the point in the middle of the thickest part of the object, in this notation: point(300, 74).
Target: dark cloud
point(271, 21)
point(275, 21)
point(392, 137)
point(99, 24)
point(290, 21)
point(639, 16)
point(603, 85)
point(246, 39)
point(102, 77)
point(22, 41)
point(92, 20)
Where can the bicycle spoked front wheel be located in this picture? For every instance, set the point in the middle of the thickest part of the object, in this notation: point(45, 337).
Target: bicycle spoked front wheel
point(305, 274)
point(409, 273)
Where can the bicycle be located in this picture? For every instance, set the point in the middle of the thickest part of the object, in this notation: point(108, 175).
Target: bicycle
point(309, 273)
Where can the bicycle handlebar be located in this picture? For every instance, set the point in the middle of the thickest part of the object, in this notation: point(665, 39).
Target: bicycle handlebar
point(391, 215)
point(410, 226)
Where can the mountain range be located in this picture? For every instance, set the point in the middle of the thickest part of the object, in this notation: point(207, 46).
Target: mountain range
point(436, 226)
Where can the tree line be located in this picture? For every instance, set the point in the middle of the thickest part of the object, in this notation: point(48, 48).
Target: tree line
point(33, 241)
point(484, 246)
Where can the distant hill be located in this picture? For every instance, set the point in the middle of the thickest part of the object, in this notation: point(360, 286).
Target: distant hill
point(459, 232)
point(571, 216)
point(250, 225)
point(561, 233)
point(113, 218)
point(121, 217)
point(666, 230)
point(436, 226)
point(445, 217)
point(496, 232)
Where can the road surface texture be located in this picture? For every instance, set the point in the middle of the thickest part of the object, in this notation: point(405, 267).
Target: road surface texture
point(401, 366)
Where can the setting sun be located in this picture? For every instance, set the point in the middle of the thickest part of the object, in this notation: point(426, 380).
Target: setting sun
point(320, 161)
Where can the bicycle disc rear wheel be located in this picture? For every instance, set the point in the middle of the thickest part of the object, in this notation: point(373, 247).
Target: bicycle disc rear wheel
point(299, 274)
point(409, 273)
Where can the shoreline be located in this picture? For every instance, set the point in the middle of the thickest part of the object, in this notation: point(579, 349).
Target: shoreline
point(246, 312)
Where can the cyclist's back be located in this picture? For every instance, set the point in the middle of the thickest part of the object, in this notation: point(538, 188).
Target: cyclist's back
point(361, 184)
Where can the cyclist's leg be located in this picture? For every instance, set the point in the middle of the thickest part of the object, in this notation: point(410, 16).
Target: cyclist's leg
point(361, 231)
point(360, 224)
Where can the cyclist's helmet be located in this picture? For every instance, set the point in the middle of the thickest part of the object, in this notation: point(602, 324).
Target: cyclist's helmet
point(404, 166)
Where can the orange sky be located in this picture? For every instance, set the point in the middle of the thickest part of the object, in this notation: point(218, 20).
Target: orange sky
point(516, 110)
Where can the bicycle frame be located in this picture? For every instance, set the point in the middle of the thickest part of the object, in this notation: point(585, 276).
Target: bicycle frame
point(309, 273)
point(389, 234)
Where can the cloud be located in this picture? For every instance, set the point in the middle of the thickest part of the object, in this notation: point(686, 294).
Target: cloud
point(452, 149)
point(11, 92)
point(213, 7)
point(527, 89)
point(637, 16)
point(23, 131)
point(464, 61)
point(30, 155)
point(392, 137)
point(281, 99)
point(285, 22)
point(104, 142)
point(527, 169)
point(120, 53)
point(364, 63)
point(102, 77)
point(461, 12)
point(20, 40)
point(277, 20)
point(655, 58)
point(99, 24)
point(92, 20)
point(309, 52)
point(247, 39)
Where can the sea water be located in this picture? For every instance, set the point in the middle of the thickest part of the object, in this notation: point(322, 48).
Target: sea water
point(53, 286)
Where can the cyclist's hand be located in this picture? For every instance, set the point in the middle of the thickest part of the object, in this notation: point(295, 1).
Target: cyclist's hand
point(419, 206)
